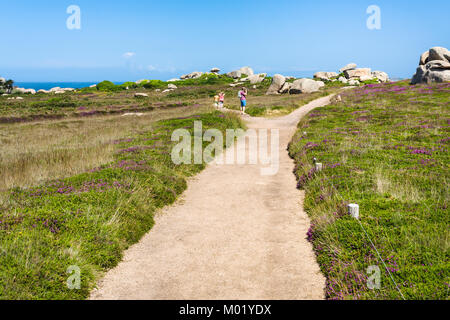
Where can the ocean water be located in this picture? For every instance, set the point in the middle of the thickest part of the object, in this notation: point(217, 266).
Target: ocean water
point(48, 85)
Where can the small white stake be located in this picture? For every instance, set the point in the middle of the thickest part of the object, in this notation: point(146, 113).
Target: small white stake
point(353, 210)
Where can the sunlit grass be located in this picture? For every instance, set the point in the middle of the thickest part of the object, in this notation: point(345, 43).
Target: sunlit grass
point(384, 147)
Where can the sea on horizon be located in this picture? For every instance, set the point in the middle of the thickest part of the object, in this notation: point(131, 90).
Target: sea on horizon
point(77, 85)
point(48, 85)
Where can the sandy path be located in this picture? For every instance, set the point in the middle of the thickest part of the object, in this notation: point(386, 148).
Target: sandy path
point(234, 234)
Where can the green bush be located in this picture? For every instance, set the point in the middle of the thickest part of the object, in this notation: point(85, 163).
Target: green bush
point(107, 86)
point(129, 84)
point(205, 79)
point(154, 84)
point(371, 81)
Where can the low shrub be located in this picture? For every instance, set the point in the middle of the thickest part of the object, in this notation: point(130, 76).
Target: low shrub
point(107, 86)
point(85, 222)
point(154, 84)
point(385, 147)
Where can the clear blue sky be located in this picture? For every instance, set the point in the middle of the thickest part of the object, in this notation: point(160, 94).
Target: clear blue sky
point(169, 38)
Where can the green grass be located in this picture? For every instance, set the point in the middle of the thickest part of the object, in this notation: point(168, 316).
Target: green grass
point(205, 80)
point(108, 98)
point(88, 220)
point(267, 110)
point(384, 147)
point(45, 106)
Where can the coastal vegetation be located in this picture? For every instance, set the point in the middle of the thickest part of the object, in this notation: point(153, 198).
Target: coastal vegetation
point(52, 222)
point(384, 147)
point(83, 173)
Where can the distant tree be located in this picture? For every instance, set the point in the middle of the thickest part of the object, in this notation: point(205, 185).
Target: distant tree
point(9, 85)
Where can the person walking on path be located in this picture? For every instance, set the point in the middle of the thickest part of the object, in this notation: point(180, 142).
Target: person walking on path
point(243, 96)
point(216, 100)
point(221, 99)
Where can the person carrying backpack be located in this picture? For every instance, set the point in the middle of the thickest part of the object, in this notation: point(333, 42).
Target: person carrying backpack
point(243, 97)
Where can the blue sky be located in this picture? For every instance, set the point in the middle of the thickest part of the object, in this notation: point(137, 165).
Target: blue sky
point(165, 39)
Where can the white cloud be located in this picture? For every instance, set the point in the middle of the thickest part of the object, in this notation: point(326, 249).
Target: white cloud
point(151, 68)
point(128, 55)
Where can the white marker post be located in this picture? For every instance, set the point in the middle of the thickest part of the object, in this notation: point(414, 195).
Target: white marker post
point(319, 167)
point(353, 210)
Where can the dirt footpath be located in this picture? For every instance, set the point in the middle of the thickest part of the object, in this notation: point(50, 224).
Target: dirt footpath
point(234, 234)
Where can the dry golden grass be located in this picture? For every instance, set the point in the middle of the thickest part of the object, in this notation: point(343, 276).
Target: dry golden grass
point(403, 190)
point(34, 152)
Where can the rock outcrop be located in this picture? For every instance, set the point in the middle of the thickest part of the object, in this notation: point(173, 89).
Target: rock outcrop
point(343, 80)
point(350, 66)
point(278, 82)
point(322, 75)
point(192, 75)
point(58, 90)
point(380, 75)
point(438, 53)
point(434, 66)
point(25, 91)
point(256, 78)
point(239, 73)
point(357, 73)
point(353, 74)
point(279, 85)
point(285, 88)
point(305, 86)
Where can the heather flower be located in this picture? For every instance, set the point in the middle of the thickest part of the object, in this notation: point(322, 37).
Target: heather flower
point(316, 115)
point(311, 145)
point(334, 165)
point(123, 140)
point(132, 149)
point(421, 151)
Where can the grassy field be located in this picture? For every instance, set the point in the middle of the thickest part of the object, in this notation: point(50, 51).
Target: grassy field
point(116, 99)
point(384, 147)
point(33, 152)
point(52, 136)
point(280, 105)
point(79, 183)
point(122, 173)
